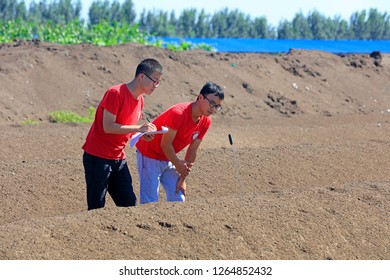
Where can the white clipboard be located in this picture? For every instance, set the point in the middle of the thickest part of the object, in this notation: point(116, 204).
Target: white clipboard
point(137, 136)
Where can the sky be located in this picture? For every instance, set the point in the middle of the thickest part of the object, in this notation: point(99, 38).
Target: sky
point(274, 10)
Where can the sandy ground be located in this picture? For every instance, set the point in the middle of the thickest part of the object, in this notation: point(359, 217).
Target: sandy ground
point(306, 177)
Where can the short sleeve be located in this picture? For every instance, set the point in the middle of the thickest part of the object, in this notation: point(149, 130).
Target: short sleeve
point(111, 101)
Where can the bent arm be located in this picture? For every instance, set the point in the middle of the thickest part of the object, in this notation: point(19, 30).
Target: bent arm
point(191, 155)
point(192, 151)
point(167, 146)
point(110, 126)
point(190, 160)
point(169, 151)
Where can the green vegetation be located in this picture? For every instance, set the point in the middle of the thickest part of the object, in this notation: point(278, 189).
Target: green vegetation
point(66, 117)
point(30, 122)
point(71, 117)
point(101, 34)
point(184, 46)
point(113, 20)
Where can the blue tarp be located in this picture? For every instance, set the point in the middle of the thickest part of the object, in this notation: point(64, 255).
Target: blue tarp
point(276, 46)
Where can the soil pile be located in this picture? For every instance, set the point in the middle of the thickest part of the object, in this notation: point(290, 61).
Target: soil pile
point(306, 177)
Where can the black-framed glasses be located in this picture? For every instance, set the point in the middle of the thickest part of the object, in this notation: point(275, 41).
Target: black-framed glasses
point(156, 83)
point(218, 107)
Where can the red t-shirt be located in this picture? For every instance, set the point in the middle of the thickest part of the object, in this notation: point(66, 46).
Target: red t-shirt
point(118, 101)
point(179, 118)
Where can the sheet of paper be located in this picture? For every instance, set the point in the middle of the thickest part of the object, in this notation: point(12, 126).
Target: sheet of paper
point(137, 136)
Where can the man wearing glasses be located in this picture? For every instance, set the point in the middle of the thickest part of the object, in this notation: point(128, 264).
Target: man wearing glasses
point(157, 160)
point(116, 119)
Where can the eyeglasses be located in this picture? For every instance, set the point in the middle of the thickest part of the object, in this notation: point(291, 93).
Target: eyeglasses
point(218, 107)
point(156, 83)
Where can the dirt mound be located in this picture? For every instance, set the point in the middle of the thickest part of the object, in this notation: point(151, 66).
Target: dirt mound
point(311, 141)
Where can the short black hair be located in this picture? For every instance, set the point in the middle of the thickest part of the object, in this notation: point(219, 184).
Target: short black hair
point(212, 88)
point(148, 66)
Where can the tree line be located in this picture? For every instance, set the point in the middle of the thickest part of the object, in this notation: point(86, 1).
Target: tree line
point(191, 23)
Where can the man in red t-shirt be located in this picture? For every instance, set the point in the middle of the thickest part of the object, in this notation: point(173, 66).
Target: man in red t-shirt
point(116, 119)
point(157, 159)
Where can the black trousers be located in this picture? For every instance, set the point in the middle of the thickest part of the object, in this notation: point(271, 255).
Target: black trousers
point(112, 176)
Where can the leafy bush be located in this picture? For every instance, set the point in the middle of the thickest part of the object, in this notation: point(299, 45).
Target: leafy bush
point(101, 34)
point(71, 117)
point(12, 30)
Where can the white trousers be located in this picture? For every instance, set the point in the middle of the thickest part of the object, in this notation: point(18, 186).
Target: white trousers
point(151, 173)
